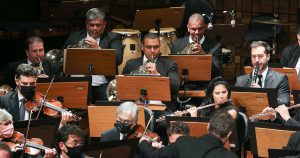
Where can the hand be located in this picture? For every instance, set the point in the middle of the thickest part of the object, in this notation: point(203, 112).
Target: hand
point(197, 49)
point(157, 144)
point(3, 91)
point(254, 85)
point(92, 42)
point(144, 138)
point(152, 68)
point(270, 111)
point(66, 117)
point(177, 113)
point(193, 111)
point(283, 111)
point(50, 153)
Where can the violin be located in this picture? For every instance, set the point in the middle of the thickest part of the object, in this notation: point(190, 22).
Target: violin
point(33, 145)
point(50, 108)
point(139, 131)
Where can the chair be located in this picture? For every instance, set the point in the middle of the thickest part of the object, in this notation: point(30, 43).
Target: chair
point(242, 129)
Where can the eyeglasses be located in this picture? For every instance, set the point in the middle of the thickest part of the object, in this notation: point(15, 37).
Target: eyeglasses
point(152, 47)
point(119, 120)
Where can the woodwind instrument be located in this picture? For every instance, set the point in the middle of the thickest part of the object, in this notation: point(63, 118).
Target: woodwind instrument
point(256, 67)
point(162, 118)
point(262, 114)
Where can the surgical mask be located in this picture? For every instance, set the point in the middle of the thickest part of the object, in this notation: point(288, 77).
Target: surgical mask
point(27, 91)
point(74, 152)
point(8, 131)
point(123, 127)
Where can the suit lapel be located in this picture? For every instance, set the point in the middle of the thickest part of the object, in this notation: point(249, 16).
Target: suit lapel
point(14, 103)
point(269, 79)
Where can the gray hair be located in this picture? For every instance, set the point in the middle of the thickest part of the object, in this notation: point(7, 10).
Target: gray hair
point(256, 44)
point(196, 17)
point(26, 70)
point(95, 13)
point(4, 115)
point(128, 106)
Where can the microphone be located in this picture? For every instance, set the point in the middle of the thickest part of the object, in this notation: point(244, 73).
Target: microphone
point(210, 25)
point(232, 22)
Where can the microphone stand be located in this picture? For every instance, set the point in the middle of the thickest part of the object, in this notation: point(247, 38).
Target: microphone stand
point(185, 73)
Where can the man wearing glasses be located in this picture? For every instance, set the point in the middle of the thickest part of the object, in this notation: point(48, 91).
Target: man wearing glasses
point(201, 43)
point(125, 125)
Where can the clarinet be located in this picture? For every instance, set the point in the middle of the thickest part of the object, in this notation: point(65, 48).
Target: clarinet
point(255, 72)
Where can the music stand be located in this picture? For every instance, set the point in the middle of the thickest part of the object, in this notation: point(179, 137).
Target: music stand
point(279, 153)
point(72, 92)
point(90, 61)
point(254, 99)
point(198, 66)
point(114, 149)
point(266, 136)
point(42, 128)
point(163, 17)
point(147, 87)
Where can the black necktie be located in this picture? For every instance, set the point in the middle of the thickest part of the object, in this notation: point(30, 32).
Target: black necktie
point(22, 109)
point(259, 80)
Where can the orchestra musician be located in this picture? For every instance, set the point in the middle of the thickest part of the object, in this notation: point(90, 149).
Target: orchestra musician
point(95, 36)
point(218, 93)
point(126, 125)
point(25, 78)
point(202, 44)
point(209, 145)
point(7, 131)
point(34, 48)
point(266, 77)
point(68, 141)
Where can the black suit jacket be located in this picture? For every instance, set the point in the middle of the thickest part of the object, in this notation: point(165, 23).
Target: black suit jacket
point(10, 102)
point(165, 67)
point(273, 80)
point(108, 40)
point(50, 69)
point(209, 45)
point(207, 146)
point(110, 135)
point(294, 141)
point(290, 56)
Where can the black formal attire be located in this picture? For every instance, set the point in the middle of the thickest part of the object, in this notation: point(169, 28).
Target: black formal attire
point(273, 80)
point(290, 56)
point(50, 69)
point(209, 45)
point(110, 135)
point(108, 40)
point(294, 141)
point(207, 146)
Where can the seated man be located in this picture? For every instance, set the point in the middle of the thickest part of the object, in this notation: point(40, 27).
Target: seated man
point(264, 77)
point(198, 43)
point(68, 141)
point(209, 145)
point(126, 125)
point(6, 133)
point(34, 48)
point(14, 102)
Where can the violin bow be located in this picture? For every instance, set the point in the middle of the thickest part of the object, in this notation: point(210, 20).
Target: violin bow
point(45, 97)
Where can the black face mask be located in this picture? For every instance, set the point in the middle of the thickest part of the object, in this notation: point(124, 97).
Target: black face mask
point(27, 91)
point(123, 127)
point(74, 152)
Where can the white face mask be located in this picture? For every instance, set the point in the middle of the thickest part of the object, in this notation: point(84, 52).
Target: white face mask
point(7, 132)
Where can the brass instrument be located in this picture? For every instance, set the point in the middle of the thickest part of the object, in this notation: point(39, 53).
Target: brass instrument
point(80, 44)
point(189, 48)
point(143, 70)
point(162, 118)
point(255, 72)
point(55, 56)
point(262, 114)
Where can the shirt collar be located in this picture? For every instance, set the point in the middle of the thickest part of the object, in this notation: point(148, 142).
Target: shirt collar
point(201, 40)
point(146, 59)
point(20, 96)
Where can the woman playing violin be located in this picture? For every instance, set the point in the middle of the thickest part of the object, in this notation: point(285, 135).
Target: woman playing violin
point(7, 132)
point(218, 92)
point(126, 125)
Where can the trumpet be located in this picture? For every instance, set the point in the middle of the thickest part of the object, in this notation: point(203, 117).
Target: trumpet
point(162, 118)
point(262, 114)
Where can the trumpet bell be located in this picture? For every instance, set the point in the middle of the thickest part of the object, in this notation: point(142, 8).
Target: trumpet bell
point(55, 56)
point(111, 91)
